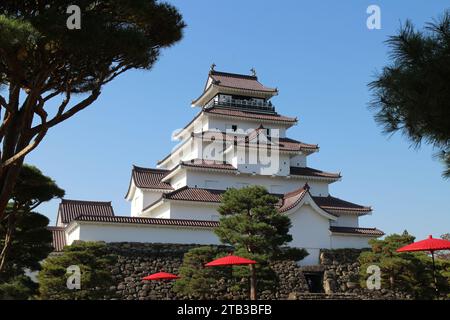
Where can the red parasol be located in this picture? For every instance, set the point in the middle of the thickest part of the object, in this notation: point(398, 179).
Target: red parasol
point(161, 276)
point(230, 261)
point(431, 244)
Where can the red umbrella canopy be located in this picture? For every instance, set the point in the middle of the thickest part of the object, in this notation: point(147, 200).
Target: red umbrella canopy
point(229, 261)
point(430, 244)
point(161, 276)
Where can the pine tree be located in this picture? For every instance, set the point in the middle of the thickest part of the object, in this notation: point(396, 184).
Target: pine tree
point(94, 262)
point(408, 272)
point(24, 238)
point(412, 94)
point(251, 224)
point(49, 72)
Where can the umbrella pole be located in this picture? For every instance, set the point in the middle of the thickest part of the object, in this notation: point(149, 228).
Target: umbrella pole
point(434, 275)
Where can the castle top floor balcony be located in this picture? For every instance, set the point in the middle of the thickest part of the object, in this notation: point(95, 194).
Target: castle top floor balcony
point(259, 106)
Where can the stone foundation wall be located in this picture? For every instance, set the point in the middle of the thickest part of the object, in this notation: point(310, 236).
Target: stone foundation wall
point(339, 267)
point(341, 275)
point(136, 260)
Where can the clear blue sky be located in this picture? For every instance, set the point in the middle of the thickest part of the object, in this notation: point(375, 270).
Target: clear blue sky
point(319, 54)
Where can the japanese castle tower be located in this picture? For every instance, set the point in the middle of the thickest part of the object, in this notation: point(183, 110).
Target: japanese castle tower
point(236, 139)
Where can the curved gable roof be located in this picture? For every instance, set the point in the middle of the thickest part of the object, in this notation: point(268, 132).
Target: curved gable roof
point(238, 81)
point(297, 198)
point(336, 205)
point(147, 178)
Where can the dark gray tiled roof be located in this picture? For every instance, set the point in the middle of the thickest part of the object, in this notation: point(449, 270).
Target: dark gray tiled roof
point(59, 238)
point(70, 209)
point(238, 81)
point(151, 221)
point(150, 178)
point(357, 230)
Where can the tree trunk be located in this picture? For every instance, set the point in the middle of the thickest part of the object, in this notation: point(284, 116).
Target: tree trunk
point(13, 141)
point(8, 180)
point(10, 227)
point(391, 282)
point(253, 295)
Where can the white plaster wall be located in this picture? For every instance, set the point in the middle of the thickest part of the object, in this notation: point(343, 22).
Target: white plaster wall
point(162, 211)
point(212, 151)
point(146, 233)
point(196, 212)
point(298, 160)
point(149, 197)
point(346, 220)
point(141, 199)
point(357, 242)
point(73, 235)
point(244, 125)
point(196, 179)
point(179, 179)
point(181, 152)
point(262, 162)
point(310, 231)
point(136, 202)
point(199, 125)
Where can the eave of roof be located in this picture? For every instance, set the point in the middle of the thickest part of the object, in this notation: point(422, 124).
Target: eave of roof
point(148, 179)
point(204, 195)
point(254, 116)
point(148, 221)
point(283, 144)
point(226, 82)
point(311, 172)
point(208, 164)
point(374, 232)
point(339, 206)
point(252, 139)
point(239, 81)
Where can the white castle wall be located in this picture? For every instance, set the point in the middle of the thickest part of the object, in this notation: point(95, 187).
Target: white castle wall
point(182, 210)
point(310, 230)
point(243, 125)
point(298, 160)
point(73, 234)
point(162, 211)
point(141, 199)
point(346, 220)
point(198, 179)
point(349, 241)
point(179, 180)
point(143, 233)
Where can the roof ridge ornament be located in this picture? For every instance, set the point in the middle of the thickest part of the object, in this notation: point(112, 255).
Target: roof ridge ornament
point(253, 71)
point(213, 65)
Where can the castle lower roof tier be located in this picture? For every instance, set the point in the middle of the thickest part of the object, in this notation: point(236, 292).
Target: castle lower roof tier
point(330, 204)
